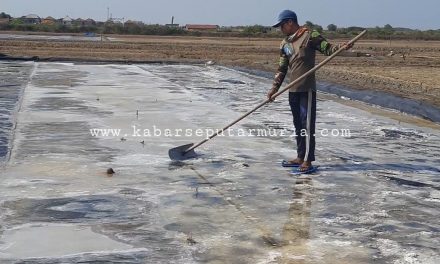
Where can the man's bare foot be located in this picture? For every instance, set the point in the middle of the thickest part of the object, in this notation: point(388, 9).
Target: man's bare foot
point(296, 161)
point(306, 165)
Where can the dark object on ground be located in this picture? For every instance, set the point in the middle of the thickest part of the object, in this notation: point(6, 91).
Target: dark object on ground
point(232, 81)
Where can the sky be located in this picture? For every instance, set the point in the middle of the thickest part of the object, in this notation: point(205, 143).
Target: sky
point(421, 14)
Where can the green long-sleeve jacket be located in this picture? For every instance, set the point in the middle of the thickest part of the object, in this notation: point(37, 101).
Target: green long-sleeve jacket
point(297, 56)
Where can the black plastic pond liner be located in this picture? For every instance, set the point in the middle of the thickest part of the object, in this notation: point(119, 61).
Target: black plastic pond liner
point(379, 98)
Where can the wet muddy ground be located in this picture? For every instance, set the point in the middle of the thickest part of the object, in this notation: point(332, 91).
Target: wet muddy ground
point(374, 199)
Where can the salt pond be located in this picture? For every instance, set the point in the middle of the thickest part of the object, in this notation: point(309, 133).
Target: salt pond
point(375, 199)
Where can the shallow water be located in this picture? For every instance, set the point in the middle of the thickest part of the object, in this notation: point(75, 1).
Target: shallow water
point(13, 77)
point(375, 198)
point(48, 37)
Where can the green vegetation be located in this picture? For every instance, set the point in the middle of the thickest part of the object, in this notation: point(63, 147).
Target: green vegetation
point(332, 27)
point(139, 29)
point(314, 26)
point(385, 32)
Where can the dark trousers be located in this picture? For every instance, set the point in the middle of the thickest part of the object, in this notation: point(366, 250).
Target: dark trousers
point(299, 103)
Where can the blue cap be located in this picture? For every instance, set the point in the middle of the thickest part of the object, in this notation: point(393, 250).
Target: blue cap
point(285, 15)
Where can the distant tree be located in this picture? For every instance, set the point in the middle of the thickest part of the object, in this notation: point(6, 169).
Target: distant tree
point(388, 31)
point(61, 28)
point(309, 24)
point(318, 28)
point(332, 27)
point(4, 15)
point(16, 21)
point(134, 29)
point(313, 26)
point(388, 27)
point(255, 29)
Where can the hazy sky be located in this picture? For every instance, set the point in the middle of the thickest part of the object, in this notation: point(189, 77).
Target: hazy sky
point(421, 14)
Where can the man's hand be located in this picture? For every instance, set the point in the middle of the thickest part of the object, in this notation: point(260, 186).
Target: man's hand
point(271, 93)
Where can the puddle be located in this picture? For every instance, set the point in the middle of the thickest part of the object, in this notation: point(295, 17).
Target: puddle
point(52, 241)
point(81, 209)
point(66, 138)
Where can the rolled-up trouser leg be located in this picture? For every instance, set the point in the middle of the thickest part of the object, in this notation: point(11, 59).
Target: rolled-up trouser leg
point(302, 105)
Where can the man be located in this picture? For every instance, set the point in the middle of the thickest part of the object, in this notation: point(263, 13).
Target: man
point(297, 56)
